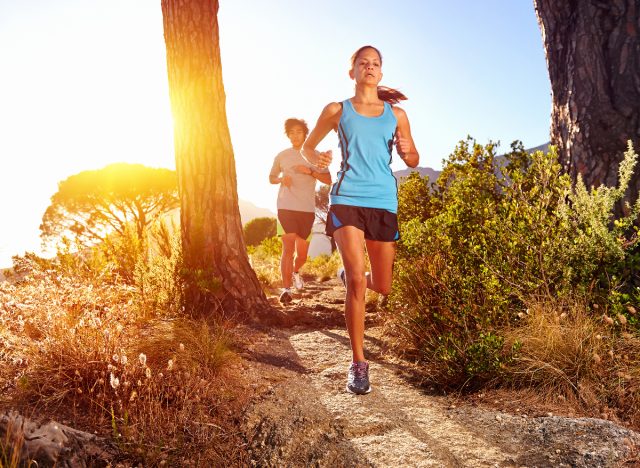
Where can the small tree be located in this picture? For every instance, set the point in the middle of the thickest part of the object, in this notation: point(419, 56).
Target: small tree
point(92, 205)
point(322, 203)
point(259, 229)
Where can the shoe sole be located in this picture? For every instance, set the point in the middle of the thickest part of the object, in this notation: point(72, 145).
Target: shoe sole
point(286, 301)
point(357, 393)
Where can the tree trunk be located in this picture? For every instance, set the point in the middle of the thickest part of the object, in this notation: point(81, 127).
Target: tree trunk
point(215, 258)
point(593, 57)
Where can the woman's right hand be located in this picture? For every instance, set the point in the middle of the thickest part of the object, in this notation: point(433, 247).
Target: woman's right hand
point(324, 159)
point(286, 180)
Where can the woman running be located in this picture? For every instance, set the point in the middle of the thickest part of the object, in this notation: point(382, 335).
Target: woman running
point(364, 196)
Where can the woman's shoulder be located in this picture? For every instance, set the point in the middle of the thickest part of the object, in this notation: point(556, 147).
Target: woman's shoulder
point(398, 112)
point(333, 108)
point(331, 113)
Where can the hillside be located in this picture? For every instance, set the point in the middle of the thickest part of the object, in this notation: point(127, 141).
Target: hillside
point(248, 211)
point(434, 173)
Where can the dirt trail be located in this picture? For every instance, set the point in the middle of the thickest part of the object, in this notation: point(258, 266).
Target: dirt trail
point(302, 415)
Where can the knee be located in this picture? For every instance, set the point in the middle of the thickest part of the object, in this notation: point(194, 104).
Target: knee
point(357, 282)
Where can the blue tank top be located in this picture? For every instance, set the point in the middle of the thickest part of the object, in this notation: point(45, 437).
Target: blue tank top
point(365, 178)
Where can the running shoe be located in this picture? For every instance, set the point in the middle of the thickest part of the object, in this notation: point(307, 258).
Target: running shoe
point(342, 276)
point(297, 281)
point(286, 296)
point(358, 378)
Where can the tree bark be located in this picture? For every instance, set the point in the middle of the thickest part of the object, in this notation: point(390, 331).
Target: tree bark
point(217, 268)
point(593, 57)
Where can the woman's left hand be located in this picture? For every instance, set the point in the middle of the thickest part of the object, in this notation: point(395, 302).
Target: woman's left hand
point(403, 145)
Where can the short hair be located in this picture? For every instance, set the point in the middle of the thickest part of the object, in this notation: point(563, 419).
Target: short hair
point(290, 123)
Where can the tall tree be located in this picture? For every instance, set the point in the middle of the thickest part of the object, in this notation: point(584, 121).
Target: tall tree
point(593, 56)
point(213, 247)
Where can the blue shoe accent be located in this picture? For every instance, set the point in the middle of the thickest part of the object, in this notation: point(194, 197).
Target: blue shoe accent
point(397, 236)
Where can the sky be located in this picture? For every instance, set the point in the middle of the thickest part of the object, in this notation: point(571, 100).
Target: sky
point(83, 84)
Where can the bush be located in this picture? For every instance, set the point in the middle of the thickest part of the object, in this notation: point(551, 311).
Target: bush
point(265, 261)
point(323, 267)
point(488, 237)
point(259, 229)
point(158, 274)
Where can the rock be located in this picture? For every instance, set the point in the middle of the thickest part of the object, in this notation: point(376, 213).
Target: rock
point(52, 443)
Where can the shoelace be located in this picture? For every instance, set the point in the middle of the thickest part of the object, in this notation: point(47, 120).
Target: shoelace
point(360, 370)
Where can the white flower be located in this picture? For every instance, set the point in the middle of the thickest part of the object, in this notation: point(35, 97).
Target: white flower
point(143, 359)
point(147, 373)
point(181, 347)
point(123, 359)
point(170, 365)
point(116, 358)
point(114, 381)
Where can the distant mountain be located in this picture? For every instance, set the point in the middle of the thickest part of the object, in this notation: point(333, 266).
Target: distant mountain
point(433, 173)
point(424, 171)
point(248, 211)
point(544, 148)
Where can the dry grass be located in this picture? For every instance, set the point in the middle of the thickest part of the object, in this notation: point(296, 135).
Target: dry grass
point(265, 261)
point(11, 448)
point(569, 354)
point(323, 267)
point(166, 390)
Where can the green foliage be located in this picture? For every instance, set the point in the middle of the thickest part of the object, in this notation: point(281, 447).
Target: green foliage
point(323, 267)
point(490, 235)
point(322, 202)
point(259, 229)
point(265, 261)
point(414, 200)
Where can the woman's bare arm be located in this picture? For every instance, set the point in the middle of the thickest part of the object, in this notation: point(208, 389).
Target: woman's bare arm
point(405, 146)
point(327, 121)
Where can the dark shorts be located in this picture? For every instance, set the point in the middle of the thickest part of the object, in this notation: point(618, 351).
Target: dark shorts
point(299, 222)
point(377, 224)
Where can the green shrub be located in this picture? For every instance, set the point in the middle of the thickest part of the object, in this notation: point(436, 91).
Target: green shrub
point(259, 229)
point(490, 235)
point(265, 261)
point(323, 267)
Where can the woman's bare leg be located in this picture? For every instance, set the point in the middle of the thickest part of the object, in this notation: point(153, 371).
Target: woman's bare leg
point(381, 256)
point(350, 242)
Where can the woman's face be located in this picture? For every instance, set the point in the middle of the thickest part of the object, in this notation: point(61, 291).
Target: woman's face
point(367, 67)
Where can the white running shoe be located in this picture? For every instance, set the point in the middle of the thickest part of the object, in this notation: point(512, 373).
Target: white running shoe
point(297, 281)
point(285, 297)
point(342, 276)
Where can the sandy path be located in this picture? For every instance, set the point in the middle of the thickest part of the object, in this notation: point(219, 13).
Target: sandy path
point(304, 417)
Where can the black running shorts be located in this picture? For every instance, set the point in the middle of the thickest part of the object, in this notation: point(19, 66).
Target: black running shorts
point(377, 224)
point(299, 222)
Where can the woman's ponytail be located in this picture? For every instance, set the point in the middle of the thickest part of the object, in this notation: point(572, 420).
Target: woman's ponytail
point(390, 95)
